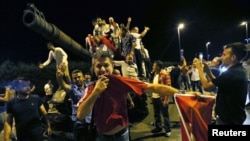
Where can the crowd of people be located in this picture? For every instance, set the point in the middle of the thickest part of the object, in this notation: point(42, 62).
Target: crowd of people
point(103, 102)
point(121, 41)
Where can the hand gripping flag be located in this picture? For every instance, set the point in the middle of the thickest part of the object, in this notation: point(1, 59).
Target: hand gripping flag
point(196, 114)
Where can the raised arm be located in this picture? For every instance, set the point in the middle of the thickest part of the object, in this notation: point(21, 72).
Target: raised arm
point(208, 71)
point(204, 81)
point(6, 95)
point(86, 103)
point(59, 76)
point(161, 89)
point(144, 32)
point(128, 23)
point(184, 62)
point(165, 90)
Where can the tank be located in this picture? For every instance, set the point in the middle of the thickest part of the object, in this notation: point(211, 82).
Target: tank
point(35, 20)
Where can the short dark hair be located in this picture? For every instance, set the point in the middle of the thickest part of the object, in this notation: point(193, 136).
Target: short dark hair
point(22, 78)
point(159, 63)
point(239, 49)
point(124, 29)
point(103, 54)
point(50, 43)
point(76, 71)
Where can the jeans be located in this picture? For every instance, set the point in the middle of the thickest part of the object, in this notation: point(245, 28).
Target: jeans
point(138, 58)
point(198, 85)
point(80, 131)
point(159, 110)
point(120, 136)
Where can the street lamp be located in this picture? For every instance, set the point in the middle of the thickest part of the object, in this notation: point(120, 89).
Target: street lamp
point(245, 23)
point(180, 26)
point(207, 44)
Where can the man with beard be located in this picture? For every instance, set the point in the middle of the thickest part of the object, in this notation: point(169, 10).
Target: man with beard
point(232, 85)
point(26, 109)
point(128, 67)
point(75, 90)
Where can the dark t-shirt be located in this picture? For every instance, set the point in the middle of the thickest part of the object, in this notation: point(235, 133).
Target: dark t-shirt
point(27, 114)
point(231, 96)
point(175, 77)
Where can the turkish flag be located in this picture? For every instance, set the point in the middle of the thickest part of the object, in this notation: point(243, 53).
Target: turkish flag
point(196, 114)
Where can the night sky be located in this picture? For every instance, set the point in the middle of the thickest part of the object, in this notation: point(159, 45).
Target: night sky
point(205, 20)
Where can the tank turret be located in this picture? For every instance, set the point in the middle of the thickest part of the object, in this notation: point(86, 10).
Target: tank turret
point(35, 20)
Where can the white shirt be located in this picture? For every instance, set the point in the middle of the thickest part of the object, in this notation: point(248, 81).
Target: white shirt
point(155, 81)
point(195, 74)
point(138, 40)
point(129, 71)
point(59, 55)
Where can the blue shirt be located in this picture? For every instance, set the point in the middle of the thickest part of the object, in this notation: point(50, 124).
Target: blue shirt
point(76, 94)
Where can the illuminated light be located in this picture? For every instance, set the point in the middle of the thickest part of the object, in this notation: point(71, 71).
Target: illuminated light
point(223, 69)
point(180, 26)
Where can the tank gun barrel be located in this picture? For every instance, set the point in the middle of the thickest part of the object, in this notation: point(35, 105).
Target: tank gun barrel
point(35, 20)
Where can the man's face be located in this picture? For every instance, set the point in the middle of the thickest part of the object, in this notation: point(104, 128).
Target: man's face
point(136, 30)
point(227, 57)
point(51, 47)
point(87, 77)
point(78, 79)
point(111, 20)
point(216, 62)
point(99, 21)
point(102, 66)
point(21, 87)
point(129, 59)
point(154, 67)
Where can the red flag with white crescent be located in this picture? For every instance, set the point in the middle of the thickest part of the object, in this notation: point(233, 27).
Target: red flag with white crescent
point(196, 114)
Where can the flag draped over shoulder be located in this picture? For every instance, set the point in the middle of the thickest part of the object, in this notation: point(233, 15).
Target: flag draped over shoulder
point(195, 113)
